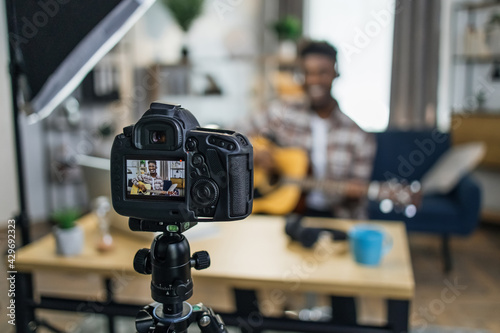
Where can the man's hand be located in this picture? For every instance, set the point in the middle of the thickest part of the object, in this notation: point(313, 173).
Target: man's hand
point(142, 187)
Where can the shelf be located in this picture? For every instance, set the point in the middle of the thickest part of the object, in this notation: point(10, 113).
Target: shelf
point(480, 59)
point(172, 97)
point(471, 127)
point(483, 113)
point(480, 5)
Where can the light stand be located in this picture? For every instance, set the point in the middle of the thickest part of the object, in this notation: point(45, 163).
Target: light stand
point(15, 74)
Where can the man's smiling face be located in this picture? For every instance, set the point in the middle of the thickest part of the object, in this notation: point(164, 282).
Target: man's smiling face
point(319, 73)
point(152, 168)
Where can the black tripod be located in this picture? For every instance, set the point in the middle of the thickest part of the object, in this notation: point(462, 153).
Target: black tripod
point(169, 262)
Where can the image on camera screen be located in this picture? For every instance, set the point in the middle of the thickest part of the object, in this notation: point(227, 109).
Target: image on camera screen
point(155, 179)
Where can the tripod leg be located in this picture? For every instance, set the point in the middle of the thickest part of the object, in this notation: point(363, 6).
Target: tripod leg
point(208, 321)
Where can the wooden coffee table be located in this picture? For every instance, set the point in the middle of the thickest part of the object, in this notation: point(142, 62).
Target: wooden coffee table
point(246, 255)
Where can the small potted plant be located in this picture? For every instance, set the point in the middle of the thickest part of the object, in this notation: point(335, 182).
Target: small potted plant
point(69, 236)
point(288, 30)
point(184, 12)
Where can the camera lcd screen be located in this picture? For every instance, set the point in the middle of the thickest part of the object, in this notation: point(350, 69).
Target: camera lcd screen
point(155, 179)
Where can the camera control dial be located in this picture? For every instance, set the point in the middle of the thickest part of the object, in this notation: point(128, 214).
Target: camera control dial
point(200, 260)
point(180, 288)
point(205, 192)
point(142, 261)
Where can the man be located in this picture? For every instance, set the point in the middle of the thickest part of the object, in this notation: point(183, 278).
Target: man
point(151, 178)
point(338, 148)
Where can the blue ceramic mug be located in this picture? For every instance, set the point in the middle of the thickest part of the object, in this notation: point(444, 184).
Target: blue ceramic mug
point(369, 243)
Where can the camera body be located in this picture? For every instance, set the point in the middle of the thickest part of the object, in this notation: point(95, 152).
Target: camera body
point(166, 169)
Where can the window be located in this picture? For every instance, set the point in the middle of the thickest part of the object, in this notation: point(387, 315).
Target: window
point(362, 32)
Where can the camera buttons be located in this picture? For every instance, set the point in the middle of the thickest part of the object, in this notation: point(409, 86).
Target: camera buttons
point(191, 144)
point(203, 171)
point(197, 160)
point(127, 131)
point(221, 143)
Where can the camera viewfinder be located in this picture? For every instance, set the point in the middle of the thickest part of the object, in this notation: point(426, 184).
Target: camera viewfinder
point(158, 137)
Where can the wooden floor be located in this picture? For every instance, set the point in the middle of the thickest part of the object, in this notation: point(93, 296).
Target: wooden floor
point(469, 296)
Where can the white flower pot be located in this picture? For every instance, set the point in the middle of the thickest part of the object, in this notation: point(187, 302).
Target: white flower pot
point(69, 242)
point(287, 50)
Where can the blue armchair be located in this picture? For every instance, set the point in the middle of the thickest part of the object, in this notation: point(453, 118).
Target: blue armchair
point(409, 155)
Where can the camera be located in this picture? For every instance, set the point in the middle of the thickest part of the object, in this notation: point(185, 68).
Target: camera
point(166, 170)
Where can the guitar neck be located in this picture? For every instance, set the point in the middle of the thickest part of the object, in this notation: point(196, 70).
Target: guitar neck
point(325, 185)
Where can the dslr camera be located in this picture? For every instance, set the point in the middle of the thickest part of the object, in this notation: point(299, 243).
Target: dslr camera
point(166, 170)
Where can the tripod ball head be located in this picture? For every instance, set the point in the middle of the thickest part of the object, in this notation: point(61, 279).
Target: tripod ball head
point(170, 262)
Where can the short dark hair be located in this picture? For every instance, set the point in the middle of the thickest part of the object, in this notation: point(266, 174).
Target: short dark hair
point(319, 47)
point(154, 162)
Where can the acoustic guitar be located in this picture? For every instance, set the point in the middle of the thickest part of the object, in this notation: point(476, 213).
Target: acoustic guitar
point(280, 196)
point(135, 190)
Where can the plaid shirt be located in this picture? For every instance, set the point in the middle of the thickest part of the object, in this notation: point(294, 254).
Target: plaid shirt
point(156, 183)
point(350, 150)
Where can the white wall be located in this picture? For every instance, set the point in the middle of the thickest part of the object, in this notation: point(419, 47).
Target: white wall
point(35, 170)
point(9, 199)
point(218, 32)
point(222, 42)
point(445, 56)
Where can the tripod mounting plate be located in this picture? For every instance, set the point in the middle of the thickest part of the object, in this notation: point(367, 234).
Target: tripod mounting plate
point(158, 226)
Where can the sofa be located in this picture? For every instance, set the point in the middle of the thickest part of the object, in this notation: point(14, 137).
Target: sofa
point(408, 155)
